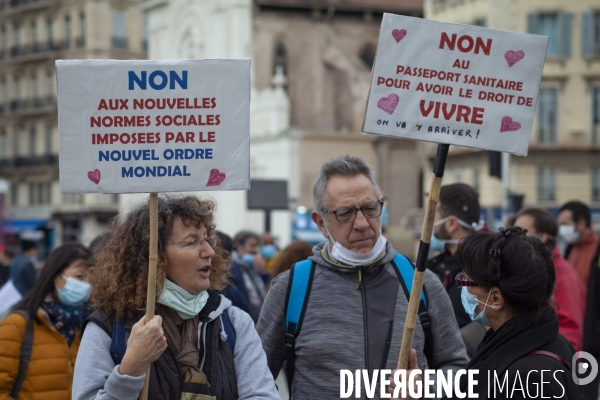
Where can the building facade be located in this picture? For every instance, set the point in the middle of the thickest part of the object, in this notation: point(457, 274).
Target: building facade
point(33, 34)
point(564, 154)
point(311, 65)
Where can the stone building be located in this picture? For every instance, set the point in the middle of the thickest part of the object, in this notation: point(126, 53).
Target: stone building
point(563, 162)
point(311, 62)
point(33, 34)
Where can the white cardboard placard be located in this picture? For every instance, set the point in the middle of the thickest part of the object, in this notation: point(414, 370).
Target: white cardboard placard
point(153, 126)
point(455, 84)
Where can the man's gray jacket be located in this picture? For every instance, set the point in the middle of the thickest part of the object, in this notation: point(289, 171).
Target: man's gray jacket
point(355, 325)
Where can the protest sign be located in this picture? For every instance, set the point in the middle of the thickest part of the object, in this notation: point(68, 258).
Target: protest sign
point(153, 126)
point(455, 84)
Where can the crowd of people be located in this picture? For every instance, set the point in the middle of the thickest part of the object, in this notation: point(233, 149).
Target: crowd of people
point(232, 313)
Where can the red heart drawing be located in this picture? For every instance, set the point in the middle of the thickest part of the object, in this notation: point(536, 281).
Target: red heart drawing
point(509, 125)
point(94, 176)
point(399, 34)
point(513, 57)
point(388, 104)
point(216, 177)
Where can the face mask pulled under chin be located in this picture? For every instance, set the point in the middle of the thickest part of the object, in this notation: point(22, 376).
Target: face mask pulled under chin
point(348, 257)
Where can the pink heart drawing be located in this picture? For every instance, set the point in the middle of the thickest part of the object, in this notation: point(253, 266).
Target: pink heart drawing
point(216, 177)
point(509, 125)
point(513, 57)
point(94, 176)
point(388, 104)
point(399, 34)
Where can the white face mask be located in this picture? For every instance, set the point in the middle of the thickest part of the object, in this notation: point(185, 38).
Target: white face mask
point(349, 257)
point(568, 233)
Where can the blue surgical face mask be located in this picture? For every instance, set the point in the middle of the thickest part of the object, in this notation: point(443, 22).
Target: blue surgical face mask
point(437, 244)
point(74, 293)
point(248, 258)
point(268, 251)
point(470, 301)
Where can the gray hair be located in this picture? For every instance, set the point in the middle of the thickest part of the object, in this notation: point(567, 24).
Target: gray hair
point(344, 166)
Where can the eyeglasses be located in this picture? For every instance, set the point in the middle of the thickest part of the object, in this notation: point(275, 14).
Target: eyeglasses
point(461, 280)
point(345, 215)
point(199, 242)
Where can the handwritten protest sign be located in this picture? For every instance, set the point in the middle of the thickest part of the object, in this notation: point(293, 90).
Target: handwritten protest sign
point(153, 126)
point(455, 84)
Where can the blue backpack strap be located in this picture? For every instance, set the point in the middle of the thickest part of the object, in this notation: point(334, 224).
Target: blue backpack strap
point(118, 343)
point(301, 276)
point(406, 272)
point(229, 329)
point(26, 346)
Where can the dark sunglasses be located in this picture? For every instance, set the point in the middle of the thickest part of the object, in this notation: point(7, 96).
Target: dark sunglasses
point(461, 280)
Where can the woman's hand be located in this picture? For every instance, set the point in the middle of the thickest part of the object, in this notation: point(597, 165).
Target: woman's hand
point(146, 343)
point(412, 365)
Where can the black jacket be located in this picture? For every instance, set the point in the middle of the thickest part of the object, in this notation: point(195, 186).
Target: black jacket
point(591, 325)
point(446, 267)
point(219, 367)
point(505, 353)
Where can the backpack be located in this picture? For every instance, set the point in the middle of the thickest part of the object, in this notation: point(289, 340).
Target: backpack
point(301, 276)
point(118, 343)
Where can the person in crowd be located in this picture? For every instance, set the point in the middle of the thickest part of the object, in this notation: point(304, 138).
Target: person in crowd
point(583, 252)
point(199, 345)
point(44, 330)
point(356, 309)
point(575, 228)
point(268, 250)
point(457, 215)
point(507, 283)
point(22, 271)
point(296, 251)
point(232, 292)
point(569, 294)
point(248, 271)
point(6, 259)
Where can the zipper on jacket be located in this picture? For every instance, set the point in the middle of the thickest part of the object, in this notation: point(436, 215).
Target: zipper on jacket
point(361, 287)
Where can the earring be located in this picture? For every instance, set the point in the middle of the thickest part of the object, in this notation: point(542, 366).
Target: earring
point(494, 307)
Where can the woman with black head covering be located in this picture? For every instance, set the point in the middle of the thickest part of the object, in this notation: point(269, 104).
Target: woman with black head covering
point(507, 284)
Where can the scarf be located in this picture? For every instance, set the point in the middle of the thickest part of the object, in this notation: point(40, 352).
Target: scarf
point(194, 385)
point(66, 319)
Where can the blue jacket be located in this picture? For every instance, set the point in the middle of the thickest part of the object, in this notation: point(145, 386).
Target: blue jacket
point(23, 274)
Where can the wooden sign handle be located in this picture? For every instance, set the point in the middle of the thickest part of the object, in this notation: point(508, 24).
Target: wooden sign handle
point(417, 286)
point(153, 258)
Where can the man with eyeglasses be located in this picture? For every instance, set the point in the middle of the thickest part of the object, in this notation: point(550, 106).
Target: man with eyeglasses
point(356, 308)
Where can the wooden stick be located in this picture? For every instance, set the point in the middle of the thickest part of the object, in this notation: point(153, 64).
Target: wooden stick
point(151, 295)
point(417, 286)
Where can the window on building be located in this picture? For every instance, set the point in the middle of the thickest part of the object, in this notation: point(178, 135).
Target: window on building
point(82, 33)
point(34, 33)
point(17, 35)
point(68, 31)
point(33, 188)
point(14, 194)
point(280, 58)
point(480, 22)
point(43, 193)
point(547, 110)
point(3, 41)
point(557, 26)
point(3, 143)
point(3, 90)
point(32, 142)
point(50, 33)
point(119, 37)
point(596, 184)
point(590, 34)
point(477, 179)
point(17, 88)
point(34, 86)
point(367, 54)
point(146, 34)
point(546, 184)
point(73, 198)
point(50, 84)
point(16, 138)
point(457, 175)
point(48, 141)
point(596, 117)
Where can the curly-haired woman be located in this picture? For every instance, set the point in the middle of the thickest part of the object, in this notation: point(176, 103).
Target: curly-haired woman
point(40, 338)
point(187, 342)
